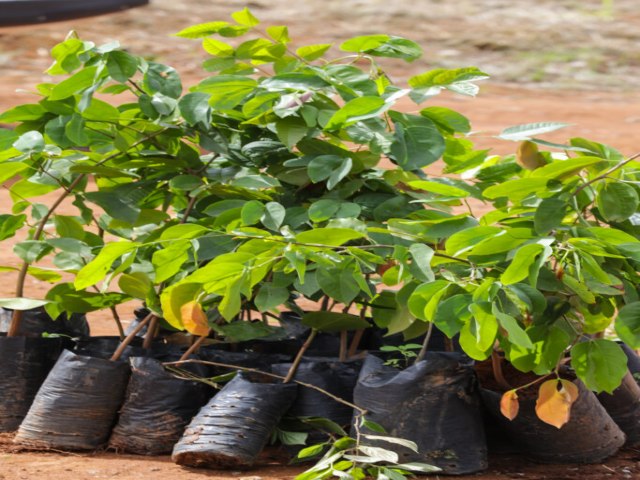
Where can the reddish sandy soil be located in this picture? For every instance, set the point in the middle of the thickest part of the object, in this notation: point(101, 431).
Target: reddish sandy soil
point(586, 64)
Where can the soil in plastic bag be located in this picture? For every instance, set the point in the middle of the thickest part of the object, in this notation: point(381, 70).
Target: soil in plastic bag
point(259, 361)
point(434, 403)
point(104, 347)
point(24, 365)
point(77, 405)
point(37, 321)
point(337, 378)
point(589, 437)
point(233, 428)
point(157, 407)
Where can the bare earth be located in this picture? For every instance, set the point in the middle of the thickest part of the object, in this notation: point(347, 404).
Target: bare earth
point(570, 63)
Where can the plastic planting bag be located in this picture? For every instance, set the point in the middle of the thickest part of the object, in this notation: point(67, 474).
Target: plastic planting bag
point(37, 321)
point(77, 404)
point(233, 428)
point(24, 365)
point(157, 408)
point(434, 403)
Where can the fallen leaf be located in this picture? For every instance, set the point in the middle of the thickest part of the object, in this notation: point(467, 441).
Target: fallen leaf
point(194, 319)
point(554, 405)
point(509, 405)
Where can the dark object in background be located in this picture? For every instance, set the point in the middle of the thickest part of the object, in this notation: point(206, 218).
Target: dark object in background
point(77, 405)
point(24, 365)
point(37, 321)
point(232, 429)
point(434, 403)
point(26, 12)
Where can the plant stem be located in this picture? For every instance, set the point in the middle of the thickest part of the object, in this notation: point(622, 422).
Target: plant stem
point(296, 362)
point(425, 344)
point(194, 347)
point(125, 343)
point(355, 342)
point(268, 374)
point(344, 344)
point(496, 365)
point(151, 333)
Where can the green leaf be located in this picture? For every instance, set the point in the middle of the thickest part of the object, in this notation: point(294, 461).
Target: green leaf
point(329, 167)
point(242, 331)
point(31, 251)
point(617, 201)
point(9, 170)
point(23, 113)
point(515, 332)
point(202, 30)
point(135, 284)
point(291, 130)
point(364, 43)
point(424, 300)
point(312, 451)
point(522, 261)
point(195, 108)
point(80, 301)
point(328, 236)
point(439, 188)
point(231, 302)
point(21, 303)
point(446, 119)
point(273, 215)
point(628, 324)
point(465, 240)
point(452, 314)
point(174, 297)
point(168, 261)
point(217, 48)
point(549, 215)
point(333, 321)
point(76, 130)
point(162, 79)
point(97, 269)
point(270, 296)
point(252, 212)
point(77, 83)
point(600, 364)
point(323, 209)
point(422, 255)
point(397, 47)
point(479, 333)
point(520, 133)
point(313, 52)
point(121, 66)
point(10, 224)
point(516, 190)
point(30, 143)
point(117, 206)
point(339, 283)
point(393, 440)
point(356, 110)
point(561, 169)
point(417, 142)
point(245, 17)
point(457, 80)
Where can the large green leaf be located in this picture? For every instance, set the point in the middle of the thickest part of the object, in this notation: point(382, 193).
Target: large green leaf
point(339, 283)
point(356, 110)
point(522, 261)
point(121, 66)
point(465, 240)
point(270, 296)
point(10, 224)
point(78, 82)
point(417, 141)
point(549, 215)
point(617, 201)
point(628, 324)
point(97, 269)
point(21, 303)
point(333, 321)
point(328, 236)
point(479, 333)
point(600, 364)
point(65, 297)
point(329, 167)
point(452, 314)
point(527, 131)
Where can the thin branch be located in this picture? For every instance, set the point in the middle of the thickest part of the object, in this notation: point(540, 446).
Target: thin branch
point(605, 174)
point(125, 343)
point(296, 362)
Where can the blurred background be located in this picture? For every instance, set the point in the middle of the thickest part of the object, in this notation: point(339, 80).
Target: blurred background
point(552, 44)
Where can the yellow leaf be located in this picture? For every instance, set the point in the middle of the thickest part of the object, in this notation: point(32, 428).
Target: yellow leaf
point(528, 156)
point(509, 405)
point(194, 319)
point(554, 404)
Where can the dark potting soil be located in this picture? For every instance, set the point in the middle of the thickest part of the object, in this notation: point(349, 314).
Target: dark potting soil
point(233, 428)
point(76, 406)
